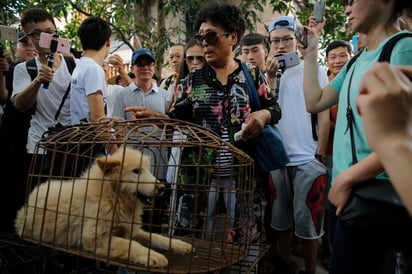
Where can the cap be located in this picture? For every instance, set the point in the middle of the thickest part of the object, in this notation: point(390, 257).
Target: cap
point(142, 51)
point(282, 22)
point(22, 37)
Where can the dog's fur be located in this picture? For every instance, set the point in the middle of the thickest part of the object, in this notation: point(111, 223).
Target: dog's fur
point(99, 211)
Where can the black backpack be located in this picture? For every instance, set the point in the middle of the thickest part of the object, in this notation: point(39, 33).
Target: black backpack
point(15, 124)
point(32, 67)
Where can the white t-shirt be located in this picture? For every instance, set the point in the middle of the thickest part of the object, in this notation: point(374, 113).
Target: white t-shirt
point(295, 125)
point(47, 101)
point(111, 93)
point(87, 78)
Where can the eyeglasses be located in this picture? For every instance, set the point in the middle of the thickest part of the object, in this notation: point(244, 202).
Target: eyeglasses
point(199, 58)
point(144, 64)
point(36, 34)
point(209, 37)
point(286, 41)
point(349, 2)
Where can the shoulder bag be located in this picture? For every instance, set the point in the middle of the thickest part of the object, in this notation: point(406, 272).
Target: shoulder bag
point(267, 149)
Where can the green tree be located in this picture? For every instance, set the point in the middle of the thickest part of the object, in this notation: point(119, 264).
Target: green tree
point(141, 23)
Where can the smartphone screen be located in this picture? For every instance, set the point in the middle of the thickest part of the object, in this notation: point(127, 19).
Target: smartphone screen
point(9, 33)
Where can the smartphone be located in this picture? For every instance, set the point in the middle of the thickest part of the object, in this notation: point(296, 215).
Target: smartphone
point(9, 33)
point(63, 45)
point(288, 60)
point(319, 10)
point(355, 39)
point(300, 33)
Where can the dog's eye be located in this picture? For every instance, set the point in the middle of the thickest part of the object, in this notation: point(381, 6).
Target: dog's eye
point(136, 170)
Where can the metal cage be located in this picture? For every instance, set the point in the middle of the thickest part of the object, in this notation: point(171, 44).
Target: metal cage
point(96, 194)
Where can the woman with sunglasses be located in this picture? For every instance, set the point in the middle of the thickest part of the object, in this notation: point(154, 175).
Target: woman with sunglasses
point(216, 97)
point(357, 251)
point(194, 58)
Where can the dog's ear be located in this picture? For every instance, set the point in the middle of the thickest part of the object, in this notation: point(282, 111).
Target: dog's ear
point(107, 164)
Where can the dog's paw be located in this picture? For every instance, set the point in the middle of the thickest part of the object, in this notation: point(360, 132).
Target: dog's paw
point(181, 247)
point(152, 259)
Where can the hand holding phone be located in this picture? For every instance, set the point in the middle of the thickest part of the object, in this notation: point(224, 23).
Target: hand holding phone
point(318, 10)
point(288, 60)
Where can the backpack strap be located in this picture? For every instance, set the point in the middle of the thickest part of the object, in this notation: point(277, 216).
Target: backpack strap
point(31, 67)
point(253, 97)
point(71, 64)
point(351, 62)
point(386, 53)
point(388, 47)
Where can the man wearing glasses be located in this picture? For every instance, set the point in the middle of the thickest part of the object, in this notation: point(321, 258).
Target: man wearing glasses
point(300, 186)
point(28, 92)
point(143, 91)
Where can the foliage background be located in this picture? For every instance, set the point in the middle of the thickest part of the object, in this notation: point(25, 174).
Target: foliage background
point(142, 23)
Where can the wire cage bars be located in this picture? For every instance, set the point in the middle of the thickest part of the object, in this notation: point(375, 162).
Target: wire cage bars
point(157, 195)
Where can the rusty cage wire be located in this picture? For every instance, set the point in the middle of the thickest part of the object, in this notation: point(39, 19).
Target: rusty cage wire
point(195, 189)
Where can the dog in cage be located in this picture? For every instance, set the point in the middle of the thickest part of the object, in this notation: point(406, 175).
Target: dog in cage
point(100, 212)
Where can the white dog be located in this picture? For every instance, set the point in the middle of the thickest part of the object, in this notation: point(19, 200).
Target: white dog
point(99, 211)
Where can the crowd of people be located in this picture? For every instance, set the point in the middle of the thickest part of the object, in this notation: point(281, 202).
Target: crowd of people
point(306, 101)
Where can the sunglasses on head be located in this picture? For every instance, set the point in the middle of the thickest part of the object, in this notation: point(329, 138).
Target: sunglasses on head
point(209, 37)
point(198, 58)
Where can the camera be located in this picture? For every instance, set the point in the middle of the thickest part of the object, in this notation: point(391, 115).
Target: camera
point(318, 10)
point(9, 34)
point(54, 43)
point(288, 60)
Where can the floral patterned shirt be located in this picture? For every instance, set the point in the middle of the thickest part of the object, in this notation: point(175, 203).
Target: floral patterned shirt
point(223, 108)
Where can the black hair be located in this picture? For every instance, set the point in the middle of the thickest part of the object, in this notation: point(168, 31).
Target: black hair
point(254, 39)
point(227, 16)
point(184, 69)
point(77, 54)
point(337, 44)
point(36, 15)
point(401, 7)
point(131, 75)
point(93, 33)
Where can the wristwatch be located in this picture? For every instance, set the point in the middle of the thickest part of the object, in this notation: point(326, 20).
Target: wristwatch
point(320, 157)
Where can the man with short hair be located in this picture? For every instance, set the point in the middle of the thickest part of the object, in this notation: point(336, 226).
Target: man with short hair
point(89, 80)
point(300, 185)
point(176, 54)
point(29, 92)
point(142, 91)
point(337, 54)
point(254, 49)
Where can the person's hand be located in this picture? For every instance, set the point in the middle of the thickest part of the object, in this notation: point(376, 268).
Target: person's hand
point(254, 124)
point(313, 32)
point(116, 61)
point(385, 104)
point(138, 112)
point(4, 65)
point(340, 191)
point(45, 74)
point(272, 67)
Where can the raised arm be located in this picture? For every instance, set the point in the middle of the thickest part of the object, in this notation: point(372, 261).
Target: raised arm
point(316, 98)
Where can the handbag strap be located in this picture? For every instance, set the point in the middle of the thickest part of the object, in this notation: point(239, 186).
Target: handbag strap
point(350, 118)
point(253, 97)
